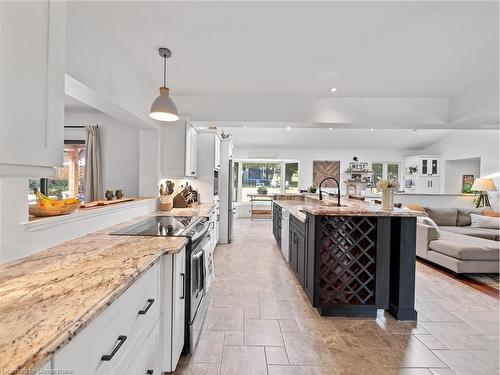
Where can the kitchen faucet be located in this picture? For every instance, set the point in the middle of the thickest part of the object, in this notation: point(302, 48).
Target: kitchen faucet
point(338, 189)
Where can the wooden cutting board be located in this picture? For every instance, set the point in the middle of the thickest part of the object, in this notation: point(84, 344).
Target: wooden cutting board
point(106, 203)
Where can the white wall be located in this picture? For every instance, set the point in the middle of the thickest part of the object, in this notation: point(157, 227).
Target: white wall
point(305, 157)
point(455, 169)
point(119, 150)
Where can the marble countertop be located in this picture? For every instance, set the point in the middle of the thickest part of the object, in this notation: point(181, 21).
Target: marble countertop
point(202, 209)
point(48, 297)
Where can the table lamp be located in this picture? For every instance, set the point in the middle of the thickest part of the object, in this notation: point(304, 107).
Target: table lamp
point(483, 185)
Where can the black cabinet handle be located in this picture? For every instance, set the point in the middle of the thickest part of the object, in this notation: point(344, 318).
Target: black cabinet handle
point(192, 172)
point(149, 372)
point(183, 286)
point(107, 357)
point(148, 306)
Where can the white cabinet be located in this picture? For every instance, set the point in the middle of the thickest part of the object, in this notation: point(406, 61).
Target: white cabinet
point(147, 362)
point(178, 306)
point(191, 151)
point(428, 185)
point(178, 143)
point(429, 167)
point(32, 90)
point(173, 309)
point(216, 152)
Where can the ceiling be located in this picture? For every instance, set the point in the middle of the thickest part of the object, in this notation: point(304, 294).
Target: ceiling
point(72, 105)
point(364, 49)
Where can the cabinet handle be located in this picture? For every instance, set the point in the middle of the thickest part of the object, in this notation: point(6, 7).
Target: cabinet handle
point(149, 372)
point(107, 357)
point(183, 286)
point(192, 172)
point(148, 306)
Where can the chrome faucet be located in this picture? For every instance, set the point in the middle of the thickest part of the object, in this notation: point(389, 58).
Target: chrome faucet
point(338, 189)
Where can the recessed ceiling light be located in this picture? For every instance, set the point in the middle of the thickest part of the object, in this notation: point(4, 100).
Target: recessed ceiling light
point(333, 89)
point(330, 128)
point(371, 129)
point(245, 127)
point(287, 128)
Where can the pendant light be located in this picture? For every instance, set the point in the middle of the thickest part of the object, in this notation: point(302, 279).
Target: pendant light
point(163, 108)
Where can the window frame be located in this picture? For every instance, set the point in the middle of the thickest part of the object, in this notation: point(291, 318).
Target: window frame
point(282, 163)
point(385, 165)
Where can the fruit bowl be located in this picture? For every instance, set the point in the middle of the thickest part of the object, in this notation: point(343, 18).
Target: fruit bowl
point(46, 209)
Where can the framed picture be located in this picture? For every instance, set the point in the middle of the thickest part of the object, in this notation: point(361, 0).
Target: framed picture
point(467, 181)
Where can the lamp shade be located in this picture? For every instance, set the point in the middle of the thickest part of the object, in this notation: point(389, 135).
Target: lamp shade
point(483, 184)
point(163, 108)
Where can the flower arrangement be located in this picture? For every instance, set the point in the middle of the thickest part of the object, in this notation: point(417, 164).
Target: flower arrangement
point(386, 184)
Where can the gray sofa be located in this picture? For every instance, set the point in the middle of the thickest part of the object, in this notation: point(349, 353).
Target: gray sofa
point(455, 245)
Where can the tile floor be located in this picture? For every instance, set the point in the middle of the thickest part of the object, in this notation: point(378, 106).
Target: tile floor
point(260, 322)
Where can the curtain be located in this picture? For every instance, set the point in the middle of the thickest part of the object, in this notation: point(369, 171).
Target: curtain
point(93, 190)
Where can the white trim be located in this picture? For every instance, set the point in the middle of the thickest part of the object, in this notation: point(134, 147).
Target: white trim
point(41, 224)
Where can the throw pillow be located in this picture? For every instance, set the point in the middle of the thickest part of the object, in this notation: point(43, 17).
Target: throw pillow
point(415, 207)
point(491, 213)
point(427, 221)
point(443, 216)
point(481, 221)
point(463, 217)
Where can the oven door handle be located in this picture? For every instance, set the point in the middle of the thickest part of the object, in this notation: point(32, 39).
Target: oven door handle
point(197, 255)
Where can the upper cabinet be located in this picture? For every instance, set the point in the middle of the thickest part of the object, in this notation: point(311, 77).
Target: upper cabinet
point(178, 149)
point(216, 152)
point(32, 71)
point(429, 166)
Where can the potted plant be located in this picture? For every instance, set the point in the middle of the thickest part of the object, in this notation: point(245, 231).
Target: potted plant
point(262, 190)
point(387, 188)
point(313, 188)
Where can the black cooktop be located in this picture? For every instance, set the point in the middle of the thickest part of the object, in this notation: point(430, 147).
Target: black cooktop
point(167, 226)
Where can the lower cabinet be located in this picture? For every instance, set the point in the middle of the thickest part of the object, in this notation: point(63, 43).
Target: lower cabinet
point(141, 332)
point(301, 257)
point(277, 223)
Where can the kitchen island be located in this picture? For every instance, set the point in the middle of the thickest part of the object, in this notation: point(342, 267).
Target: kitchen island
point(354, 259)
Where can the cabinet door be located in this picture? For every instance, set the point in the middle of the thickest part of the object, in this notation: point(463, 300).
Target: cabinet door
point(424, 167)
point(216, 152)
point(194, 152)
point(191, 143)
point(434, 167)
point(146, 361)
point(32, 71)
point(293, 250)
point(178, 305)
point(301, 259)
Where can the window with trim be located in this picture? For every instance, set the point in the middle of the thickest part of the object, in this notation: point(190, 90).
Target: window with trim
point(277, 177)
point(69, 180)
point(385, 170)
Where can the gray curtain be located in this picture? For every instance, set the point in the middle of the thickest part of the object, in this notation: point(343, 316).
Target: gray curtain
point(93, 189)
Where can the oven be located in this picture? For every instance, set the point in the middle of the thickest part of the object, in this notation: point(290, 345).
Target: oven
point(196, 306)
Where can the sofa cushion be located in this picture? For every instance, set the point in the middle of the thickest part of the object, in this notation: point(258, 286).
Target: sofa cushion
point(489, 234)
point(491, 213)
point(443, 216)
point(465, 247)
point(480, 221)
point(463, 216)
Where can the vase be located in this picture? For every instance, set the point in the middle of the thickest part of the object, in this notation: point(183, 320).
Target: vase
point(388, 199)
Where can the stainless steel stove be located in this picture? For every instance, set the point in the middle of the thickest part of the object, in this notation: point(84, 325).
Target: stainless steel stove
point(196, 230)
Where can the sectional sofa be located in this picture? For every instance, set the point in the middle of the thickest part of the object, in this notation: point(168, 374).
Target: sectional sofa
point(449, 241)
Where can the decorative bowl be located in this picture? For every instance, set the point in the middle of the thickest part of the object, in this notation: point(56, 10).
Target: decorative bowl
point(49, 210)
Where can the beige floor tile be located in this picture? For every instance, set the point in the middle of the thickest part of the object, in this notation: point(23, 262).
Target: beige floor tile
point(225, 319)
point(197, 369)
point(306, 349)
point(276, 355)
point(263, 332)
point(469, 362)
point(431, 342)
point(288, 325)
point(455, 335)
point(209, 349)
point(290, 370)
point(410, 352)
point(243, 360)
point(233, 337)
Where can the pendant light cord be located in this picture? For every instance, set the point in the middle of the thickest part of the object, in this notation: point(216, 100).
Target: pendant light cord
point(164, 71)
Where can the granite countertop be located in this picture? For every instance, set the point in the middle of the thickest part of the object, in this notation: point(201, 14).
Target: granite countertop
point(48, 297)
point(309, 203)
point(202, 209)
point(354, 207)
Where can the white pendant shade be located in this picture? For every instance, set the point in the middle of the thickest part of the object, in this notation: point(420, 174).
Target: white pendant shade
point(163, 108)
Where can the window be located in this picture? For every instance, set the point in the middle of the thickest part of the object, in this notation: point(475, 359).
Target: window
point(291, 178)
point(384, 170)
point(69, 179)
point(278, 177)
point(255, 175)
